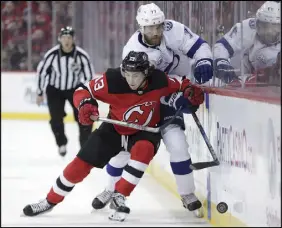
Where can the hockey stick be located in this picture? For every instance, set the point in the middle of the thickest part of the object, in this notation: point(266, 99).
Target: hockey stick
point(136, 126)
point(130, 125)
point(203, 165)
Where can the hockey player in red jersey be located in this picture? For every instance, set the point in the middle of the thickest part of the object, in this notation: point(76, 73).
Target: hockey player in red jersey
point(133, 92)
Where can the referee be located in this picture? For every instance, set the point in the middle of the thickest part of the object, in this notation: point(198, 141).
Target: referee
point(63, 68)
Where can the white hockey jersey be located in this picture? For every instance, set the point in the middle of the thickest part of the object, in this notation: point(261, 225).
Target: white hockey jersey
point(256, 55)
point(178, 51)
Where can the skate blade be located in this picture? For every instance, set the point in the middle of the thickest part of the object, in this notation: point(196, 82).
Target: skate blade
point(97, 210)
point(117, 216)
point(105, 208)
point(199, 213)
point(38, 215)
point(28, 216)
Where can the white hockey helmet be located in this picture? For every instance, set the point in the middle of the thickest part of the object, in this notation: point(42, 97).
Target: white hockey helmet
point(268, 22)
point(269, 12)
point(149, 14)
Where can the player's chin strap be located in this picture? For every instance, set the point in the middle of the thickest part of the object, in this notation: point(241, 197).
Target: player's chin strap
point(147, 74)
point(139, 87)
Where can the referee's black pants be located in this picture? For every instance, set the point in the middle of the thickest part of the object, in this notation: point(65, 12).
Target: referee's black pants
point(56, 103)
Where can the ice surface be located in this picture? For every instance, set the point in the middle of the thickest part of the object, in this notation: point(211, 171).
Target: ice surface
point(31, 164)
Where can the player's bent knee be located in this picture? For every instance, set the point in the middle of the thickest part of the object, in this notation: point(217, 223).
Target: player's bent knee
point(77, 170)
point(143, 151)
point(178, 152)
point(120, 160)
point(176, 144)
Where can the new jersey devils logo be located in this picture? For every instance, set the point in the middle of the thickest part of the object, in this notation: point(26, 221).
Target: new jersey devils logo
point(140, 114)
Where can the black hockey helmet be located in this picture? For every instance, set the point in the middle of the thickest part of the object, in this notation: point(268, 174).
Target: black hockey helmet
point(136, 62)
point(67, 31)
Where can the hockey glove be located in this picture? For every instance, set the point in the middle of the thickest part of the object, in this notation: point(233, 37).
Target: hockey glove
point(203, 71)
point(224, 71)
point(86, 108)
point(174, 100)
point(194, 94)
point(188, 108)
point(177, 100)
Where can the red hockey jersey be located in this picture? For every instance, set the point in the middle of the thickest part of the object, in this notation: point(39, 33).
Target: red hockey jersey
point(141, 107)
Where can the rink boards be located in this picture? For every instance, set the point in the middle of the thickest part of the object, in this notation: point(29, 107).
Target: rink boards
point(244, 130)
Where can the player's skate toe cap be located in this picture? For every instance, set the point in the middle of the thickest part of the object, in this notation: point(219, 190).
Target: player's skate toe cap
point(63, 153)
point(123, 209)
point(28, 210)
point(195, 205)
point(97, 204)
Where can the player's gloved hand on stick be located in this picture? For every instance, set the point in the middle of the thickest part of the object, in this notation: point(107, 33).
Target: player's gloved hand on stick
point(88, 107)
point(174, 100)
point(189, 108)
point(194, 94)
point(177, 100)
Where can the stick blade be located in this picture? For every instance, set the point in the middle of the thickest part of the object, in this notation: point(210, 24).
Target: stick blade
point(203, 165)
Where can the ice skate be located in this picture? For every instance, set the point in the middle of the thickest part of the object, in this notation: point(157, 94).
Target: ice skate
point(38, 208)
point(62, 150)
point(192, 203)
point(120, 210)
point(101, 200)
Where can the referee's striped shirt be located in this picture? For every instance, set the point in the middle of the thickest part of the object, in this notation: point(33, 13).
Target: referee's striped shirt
point(64, 71)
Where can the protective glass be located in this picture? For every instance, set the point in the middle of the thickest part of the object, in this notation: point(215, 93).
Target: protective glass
point(268, 33)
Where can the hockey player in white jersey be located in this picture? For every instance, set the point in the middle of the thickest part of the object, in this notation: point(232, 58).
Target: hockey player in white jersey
point(176, 50)
point(259, 44)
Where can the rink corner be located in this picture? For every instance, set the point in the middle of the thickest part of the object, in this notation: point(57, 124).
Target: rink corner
point(215, 219)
